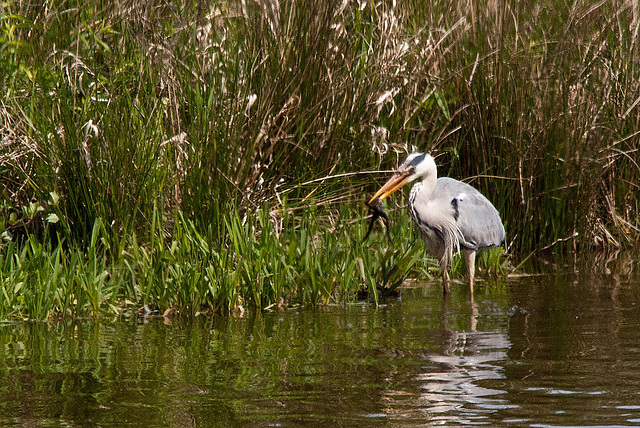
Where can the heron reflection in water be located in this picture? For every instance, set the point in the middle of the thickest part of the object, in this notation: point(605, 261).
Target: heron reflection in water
point(449, 214)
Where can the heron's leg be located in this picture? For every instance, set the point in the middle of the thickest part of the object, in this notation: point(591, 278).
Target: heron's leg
point(445, 280)
point(443, 261)
point(470, 258)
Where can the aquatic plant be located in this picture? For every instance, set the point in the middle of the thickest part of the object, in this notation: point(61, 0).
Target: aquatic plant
point(266, 261)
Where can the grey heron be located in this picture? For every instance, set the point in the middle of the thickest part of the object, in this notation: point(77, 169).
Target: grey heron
point(449, 214)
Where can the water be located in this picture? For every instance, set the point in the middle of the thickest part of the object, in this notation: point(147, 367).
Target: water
point(546, 351)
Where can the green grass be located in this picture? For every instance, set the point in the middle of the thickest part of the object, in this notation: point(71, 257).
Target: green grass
point(258, 266)
point(205, 156)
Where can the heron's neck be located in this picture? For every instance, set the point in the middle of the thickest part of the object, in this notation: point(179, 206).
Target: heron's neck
point(428, 184)
point(423, 187)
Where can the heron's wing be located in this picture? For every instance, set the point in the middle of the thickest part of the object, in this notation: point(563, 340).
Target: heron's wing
point(478, 220)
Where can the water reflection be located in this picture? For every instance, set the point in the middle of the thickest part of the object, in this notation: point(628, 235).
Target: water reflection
point(555, 350)
point(451, 387)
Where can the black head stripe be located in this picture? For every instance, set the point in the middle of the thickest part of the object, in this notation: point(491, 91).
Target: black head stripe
point(415, 161)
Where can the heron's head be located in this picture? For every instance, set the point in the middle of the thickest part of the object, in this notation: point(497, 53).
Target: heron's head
point(416, 166)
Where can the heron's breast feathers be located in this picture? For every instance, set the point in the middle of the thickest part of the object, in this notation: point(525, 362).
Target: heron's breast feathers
point(438, 226)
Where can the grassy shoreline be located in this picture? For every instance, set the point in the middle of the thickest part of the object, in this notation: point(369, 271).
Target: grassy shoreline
point(198, 155)
point(258, 267)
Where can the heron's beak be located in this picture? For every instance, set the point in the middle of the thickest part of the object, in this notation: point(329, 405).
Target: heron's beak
point(398, 180)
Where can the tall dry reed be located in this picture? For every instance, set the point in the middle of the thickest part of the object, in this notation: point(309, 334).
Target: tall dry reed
point(144, 117)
